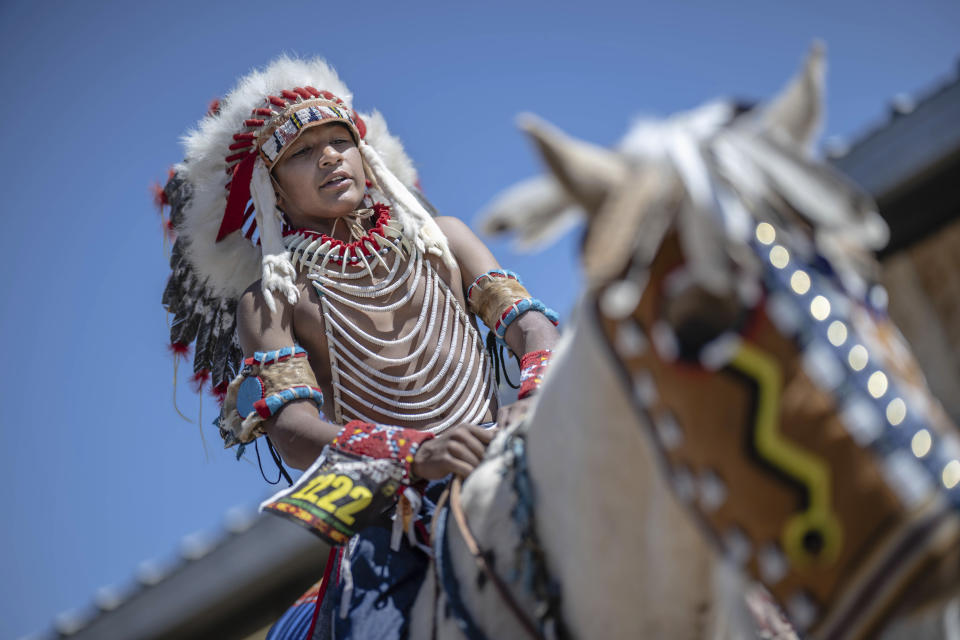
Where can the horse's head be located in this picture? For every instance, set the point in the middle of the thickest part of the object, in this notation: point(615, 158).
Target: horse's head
point(733, 275)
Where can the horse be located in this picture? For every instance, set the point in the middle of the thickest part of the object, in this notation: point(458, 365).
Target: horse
point(733, 439)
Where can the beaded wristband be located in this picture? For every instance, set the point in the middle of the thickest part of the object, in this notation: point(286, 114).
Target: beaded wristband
point(382, 442)
point(532, 367)
point(517, 309)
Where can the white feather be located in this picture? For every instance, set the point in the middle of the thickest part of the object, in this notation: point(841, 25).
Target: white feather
point(416, 221)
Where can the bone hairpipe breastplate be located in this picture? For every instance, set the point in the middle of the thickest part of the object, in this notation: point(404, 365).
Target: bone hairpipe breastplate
point(433, 375)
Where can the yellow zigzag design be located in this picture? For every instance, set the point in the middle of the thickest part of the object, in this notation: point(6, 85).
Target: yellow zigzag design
point(809, 470)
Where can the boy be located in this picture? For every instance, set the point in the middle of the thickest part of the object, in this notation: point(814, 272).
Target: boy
point(358, 341)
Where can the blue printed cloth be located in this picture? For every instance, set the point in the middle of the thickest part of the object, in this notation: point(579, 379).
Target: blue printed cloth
point(379, 586)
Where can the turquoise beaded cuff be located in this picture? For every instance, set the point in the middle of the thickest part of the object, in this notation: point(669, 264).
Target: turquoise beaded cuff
point(499, 297)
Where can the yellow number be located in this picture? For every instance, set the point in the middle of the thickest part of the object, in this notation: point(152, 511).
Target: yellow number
point(341, 487)
point(361, 498)
point(309, 491)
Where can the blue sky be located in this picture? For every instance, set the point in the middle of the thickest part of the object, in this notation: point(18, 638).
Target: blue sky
point(97, 471)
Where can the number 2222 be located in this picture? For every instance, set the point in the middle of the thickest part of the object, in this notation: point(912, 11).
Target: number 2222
point(340, 486)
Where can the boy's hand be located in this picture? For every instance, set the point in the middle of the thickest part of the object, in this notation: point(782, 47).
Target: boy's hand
point(458, 451)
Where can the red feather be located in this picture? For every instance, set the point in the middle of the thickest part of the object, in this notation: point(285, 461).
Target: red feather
point(361, 125)
point(220, 392)
point(159, 196)
point(169, 231)
point(199, 379)
point(238, 198)
point(179, 350)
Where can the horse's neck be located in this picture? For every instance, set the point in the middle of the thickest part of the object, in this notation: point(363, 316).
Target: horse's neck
point(629, 561)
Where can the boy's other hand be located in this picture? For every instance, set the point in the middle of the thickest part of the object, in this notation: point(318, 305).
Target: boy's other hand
point(458, 450)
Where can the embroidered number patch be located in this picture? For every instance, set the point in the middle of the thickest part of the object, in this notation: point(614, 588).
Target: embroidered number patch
point(328, 492)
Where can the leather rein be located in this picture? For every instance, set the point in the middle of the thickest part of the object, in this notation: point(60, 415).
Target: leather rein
point(482, 558)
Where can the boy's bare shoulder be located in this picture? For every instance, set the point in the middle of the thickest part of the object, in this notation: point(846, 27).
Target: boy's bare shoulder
point(260, 328)
point(455, 229)
point(470, 251)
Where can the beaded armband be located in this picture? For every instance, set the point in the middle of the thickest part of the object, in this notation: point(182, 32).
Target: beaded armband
point(268, 381)
point(354, 482)
point(532, 367)
point(499, 297)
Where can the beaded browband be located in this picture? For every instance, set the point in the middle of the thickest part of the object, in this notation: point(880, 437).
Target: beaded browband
point(307, 114)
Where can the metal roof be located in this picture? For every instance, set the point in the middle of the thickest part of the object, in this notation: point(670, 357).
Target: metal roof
point(224, 585)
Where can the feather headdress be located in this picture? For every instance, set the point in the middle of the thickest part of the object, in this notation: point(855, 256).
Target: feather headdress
point(223, 207)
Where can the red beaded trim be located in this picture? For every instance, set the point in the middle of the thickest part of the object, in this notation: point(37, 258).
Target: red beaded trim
point(381, 442)
point(382, 212)
point(533, 365)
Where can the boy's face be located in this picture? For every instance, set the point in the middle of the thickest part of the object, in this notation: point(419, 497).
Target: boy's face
point(320, 176)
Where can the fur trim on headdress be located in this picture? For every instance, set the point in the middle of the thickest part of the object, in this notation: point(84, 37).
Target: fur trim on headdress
point(277, 272)
point(428, 237)
point(229, 266)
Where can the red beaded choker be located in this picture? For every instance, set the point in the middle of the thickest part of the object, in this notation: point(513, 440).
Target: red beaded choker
point(376, 236)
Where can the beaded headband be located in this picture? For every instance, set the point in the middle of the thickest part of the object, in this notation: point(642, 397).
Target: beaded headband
point(273, 143)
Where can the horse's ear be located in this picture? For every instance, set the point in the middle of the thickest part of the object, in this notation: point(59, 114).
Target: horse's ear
point(586, 171)
point(796, 113)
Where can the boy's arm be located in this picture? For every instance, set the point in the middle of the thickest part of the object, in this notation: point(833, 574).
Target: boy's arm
point(297, 431)
point(529, 332)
